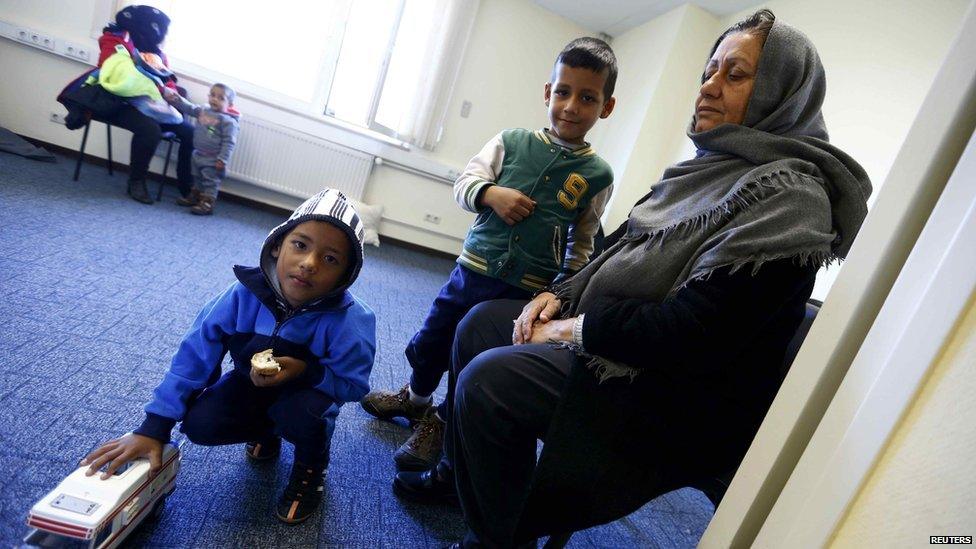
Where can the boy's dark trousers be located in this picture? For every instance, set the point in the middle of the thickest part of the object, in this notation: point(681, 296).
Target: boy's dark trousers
point(429, 352)
point(234, 411)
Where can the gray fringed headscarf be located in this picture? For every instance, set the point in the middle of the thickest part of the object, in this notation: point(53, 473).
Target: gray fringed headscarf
point(768, 189)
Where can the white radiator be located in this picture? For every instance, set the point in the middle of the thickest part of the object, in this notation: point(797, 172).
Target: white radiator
point(296, 163)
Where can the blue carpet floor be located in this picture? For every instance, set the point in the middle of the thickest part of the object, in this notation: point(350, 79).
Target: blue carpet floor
point(95, 293)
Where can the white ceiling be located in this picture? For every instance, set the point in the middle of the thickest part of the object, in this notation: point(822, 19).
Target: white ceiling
point(615, 17)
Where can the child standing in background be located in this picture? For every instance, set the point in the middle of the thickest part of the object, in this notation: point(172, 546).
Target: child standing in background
point(539, 196)
point(213, 141)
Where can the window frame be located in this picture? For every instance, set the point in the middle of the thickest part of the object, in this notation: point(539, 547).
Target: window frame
point(371, 122)
point(317, 108)
point(205, 77)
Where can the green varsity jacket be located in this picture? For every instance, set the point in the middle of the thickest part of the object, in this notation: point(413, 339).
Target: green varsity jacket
point(570, 188)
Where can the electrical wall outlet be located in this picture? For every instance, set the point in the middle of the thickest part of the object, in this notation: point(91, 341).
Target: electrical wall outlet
point(35, 38)
point(48, 42)
point(74, 50)
point(43, 41)
point(57, 118)
point(431, 218)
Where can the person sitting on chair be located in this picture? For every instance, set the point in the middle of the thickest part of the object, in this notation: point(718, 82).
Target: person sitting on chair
point(143, 29)
point(654, 365)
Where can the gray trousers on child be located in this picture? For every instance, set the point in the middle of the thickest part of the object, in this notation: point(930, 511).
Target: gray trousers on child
point(206, 175)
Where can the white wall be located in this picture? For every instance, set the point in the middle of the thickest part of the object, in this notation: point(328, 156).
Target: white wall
point(924, 483)
point(34, 78)
point(65, 19)
point(660, 65)
point(642, 55)
point(507, 62)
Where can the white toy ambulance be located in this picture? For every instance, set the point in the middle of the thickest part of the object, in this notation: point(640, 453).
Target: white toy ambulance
point(99, 514)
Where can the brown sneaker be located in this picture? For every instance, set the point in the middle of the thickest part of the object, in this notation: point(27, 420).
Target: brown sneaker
point(422, 450)
point(190, 199)
point(204, 206)
point(388, 405)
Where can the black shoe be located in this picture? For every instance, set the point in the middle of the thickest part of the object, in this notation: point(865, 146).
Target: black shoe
point(425, 487)
point(303, 494)
point(263, 450)
point(138, 191)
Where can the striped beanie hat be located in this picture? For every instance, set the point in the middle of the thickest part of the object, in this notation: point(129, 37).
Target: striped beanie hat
point(333, 207)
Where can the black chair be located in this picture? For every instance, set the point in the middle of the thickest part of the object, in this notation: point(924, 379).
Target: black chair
point(84, 141)
point(169, 137)
point(714, 488)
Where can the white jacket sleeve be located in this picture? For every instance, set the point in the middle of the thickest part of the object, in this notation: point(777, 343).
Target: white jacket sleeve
point(579, 241)
point(482, 170)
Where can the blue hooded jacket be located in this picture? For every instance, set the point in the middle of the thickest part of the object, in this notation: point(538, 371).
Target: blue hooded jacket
point(335, 334)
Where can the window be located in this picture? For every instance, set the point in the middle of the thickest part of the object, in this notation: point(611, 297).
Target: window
point(366, 62)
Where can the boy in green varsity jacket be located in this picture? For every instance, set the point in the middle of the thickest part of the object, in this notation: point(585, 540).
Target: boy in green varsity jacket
point(539, 196)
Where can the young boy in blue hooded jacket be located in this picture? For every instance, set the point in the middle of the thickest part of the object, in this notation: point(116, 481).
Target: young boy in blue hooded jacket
point(297, 303)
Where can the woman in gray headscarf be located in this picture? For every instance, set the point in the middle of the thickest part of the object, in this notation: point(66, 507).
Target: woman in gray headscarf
point(669, 346)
